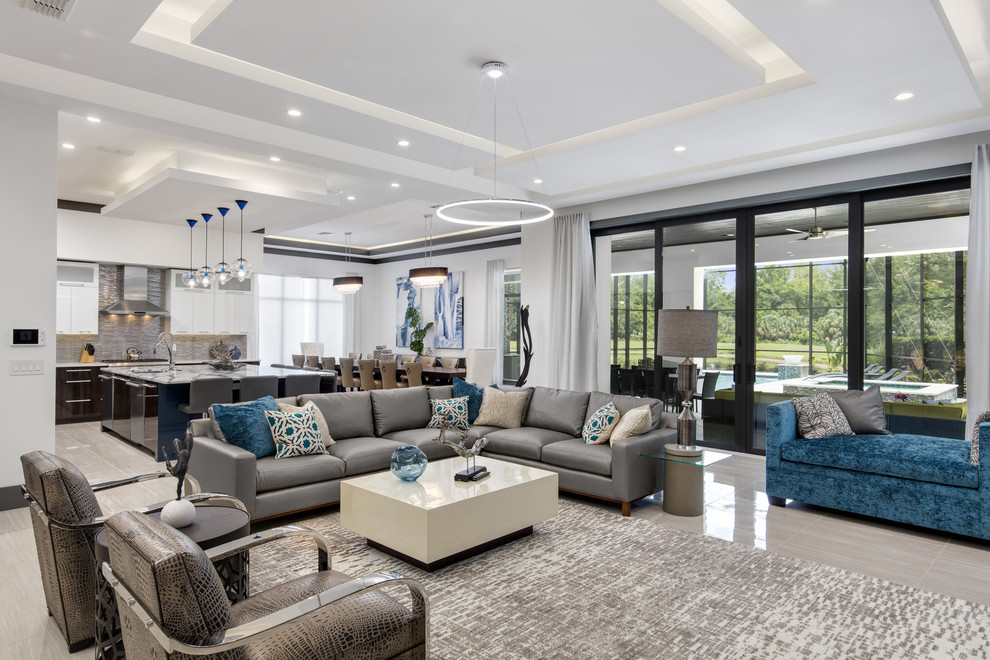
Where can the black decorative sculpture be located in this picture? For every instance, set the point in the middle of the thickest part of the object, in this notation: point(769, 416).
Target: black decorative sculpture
point(178, 469)
point(527, 341)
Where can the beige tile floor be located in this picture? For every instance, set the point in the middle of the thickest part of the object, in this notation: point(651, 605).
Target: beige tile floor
point(736, 510)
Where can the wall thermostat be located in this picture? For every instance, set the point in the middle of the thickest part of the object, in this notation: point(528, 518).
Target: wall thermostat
point(27, 337)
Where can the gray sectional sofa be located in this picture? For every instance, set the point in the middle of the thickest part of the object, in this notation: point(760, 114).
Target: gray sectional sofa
point(368, 426)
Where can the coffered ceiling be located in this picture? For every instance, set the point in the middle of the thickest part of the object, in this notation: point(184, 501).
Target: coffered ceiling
point(193, 98)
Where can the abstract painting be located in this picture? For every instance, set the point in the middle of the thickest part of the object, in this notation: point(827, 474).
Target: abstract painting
point(448, 312)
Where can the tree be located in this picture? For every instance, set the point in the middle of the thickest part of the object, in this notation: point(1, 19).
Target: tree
point(418, 334)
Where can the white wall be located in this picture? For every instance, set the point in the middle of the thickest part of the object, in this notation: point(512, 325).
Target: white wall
point(537, 264)
point(28, 176)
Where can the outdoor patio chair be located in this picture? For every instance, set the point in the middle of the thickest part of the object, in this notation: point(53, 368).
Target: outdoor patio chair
point(889, 375)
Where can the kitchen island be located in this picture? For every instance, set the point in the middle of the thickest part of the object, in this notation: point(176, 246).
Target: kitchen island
point(146, 398)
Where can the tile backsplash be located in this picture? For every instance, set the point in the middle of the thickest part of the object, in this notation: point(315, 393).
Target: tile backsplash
point(120, 332)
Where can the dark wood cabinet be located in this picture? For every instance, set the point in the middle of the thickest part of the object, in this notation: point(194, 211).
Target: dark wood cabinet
point(77, 394)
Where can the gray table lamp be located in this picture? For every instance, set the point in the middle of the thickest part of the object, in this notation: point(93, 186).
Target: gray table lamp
point(686, 333)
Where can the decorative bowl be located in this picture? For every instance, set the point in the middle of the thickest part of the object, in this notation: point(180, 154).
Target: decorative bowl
point(408, 462)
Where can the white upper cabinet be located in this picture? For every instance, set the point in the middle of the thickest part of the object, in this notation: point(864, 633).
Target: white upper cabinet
point(77, 299)
point(226, 309)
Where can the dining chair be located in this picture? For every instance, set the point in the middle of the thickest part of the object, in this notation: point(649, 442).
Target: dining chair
point(414, 374)
point(367, 371)
point(204, 392)
point(388, 369)
point(311, 347)
point(347, 374)
point(328, 363)
point(313, 361)
point(255, 387)
point(449, 362)
point(296, 384)
point(480, 366)
point(298, 360)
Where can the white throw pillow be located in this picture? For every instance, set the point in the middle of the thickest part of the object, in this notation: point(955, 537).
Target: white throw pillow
point(503, 409)
point(636, 421)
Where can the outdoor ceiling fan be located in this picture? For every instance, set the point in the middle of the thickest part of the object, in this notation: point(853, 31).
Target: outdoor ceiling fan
point(816, 232)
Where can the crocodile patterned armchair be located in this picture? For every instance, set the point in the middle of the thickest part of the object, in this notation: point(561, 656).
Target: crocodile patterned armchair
point(66, 517)
point(175, 605)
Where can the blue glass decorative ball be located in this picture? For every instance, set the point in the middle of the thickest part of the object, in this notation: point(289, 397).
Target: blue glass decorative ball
point(408, 462)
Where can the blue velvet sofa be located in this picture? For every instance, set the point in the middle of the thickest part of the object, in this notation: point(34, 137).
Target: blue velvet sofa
point(915, 479)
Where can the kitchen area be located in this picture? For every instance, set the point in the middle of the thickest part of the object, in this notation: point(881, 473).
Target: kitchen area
point(110, 315)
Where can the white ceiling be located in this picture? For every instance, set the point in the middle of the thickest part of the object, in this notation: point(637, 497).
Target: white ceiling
point(193, 97)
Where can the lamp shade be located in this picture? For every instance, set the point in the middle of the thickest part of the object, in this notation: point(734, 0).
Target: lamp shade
point(687, 332)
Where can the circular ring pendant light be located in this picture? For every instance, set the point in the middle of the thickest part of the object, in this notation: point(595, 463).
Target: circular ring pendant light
point(496, 211)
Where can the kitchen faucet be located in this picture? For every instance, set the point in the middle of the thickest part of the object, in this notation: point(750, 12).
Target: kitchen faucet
point(170, 345)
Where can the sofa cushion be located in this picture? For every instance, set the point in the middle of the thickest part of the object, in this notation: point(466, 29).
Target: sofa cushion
point(578, 455)
point(480, 431)
point(295, 433)
point(320, 421)
point(244, 425)
point(440, 391)
point(918, 457)
point(400, 409)
point(503, 409)
point(863, 410)
point(820, 416)
point(425, 439)
point(348, 414)
point(278, 473)
point(558, 410)
point(368, 454)
point(624, 404)
point(525, 442)
point(598, 428)
point(474, 394)
point(449, 413)
point(633, 422)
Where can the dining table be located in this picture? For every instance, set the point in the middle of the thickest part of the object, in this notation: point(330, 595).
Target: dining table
point(445, 375)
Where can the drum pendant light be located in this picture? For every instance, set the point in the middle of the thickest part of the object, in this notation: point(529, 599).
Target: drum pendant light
point(428, 276)
point(348, 282)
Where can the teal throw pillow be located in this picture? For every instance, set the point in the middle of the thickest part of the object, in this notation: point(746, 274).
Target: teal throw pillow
point(452, 413)
point(599, 426)
point(295, 433)
point(474, 394)
point(245, 425)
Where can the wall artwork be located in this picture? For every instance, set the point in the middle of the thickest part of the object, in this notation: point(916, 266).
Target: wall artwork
point(405, 295)
point(448, 312)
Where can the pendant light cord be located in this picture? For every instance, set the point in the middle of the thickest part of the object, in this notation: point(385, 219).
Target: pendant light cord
point(495, 138)
point(242, 231)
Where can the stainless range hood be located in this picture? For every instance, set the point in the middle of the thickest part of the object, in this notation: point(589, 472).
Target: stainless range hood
point(135, 295)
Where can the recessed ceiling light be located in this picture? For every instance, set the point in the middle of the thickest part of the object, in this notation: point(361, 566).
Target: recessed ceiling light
point(680, 148)
point(403, 143)
point(904, 96)
point(351, 198)
point(292, 112)
point(537, 180)
point(395, 185)
point(95, 120)
point(68, 145)
point(274, 159)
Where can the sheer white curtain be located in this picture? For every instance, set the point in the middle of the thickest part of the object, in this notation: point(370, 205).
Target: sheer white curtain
point(293, 310)
point(495, 313)
point(977, 291)
point(574, 324)
point(351, 323)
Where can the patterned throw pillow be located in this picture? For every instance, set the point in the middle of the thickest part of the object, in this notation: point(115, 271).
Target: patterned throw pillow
point(598, 428)
point(974, 453)
point(321, 421)
point(295, 433)
point(450, 412)
point(820, 417)
point(503, 409)
point(636, 421)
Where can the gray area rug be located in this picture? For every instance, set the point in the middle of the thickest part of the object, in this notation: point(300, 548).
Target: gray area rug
point(592, 584)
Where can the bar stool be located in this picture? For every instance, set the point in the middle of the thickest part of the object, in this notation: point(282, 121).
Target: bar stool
point(297, 384)
point(367, 370)
point(255, 387)
point(204, 392)
point(347, 374)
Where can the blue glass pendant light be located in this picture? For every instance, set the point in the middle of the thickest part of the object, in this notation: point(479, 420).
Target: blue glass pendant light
point(222, 270)
point(204, 274)
point(242, 267)
point(192, 277)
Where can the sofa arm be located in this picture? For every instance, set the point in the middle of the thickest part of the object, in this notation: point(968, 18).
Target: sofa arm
point(635, 476)
point(781, 428)
point(221, 467)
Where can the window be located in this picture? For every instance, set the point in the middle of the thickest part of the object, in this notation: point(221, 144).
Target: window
point(633, 320)
point(512, 348)
point(297, 309)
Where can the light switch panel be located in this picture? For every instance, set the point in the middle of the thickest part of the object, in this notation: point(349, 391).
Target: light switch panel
point(27, 367)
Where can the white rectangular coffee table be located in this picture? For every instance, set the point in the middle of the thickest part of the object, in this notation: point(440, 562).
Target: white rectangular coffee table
point(436, 521)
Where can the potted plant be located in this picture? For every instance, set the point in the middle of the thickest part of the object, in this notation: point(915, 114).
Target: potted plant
point(416, 333)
